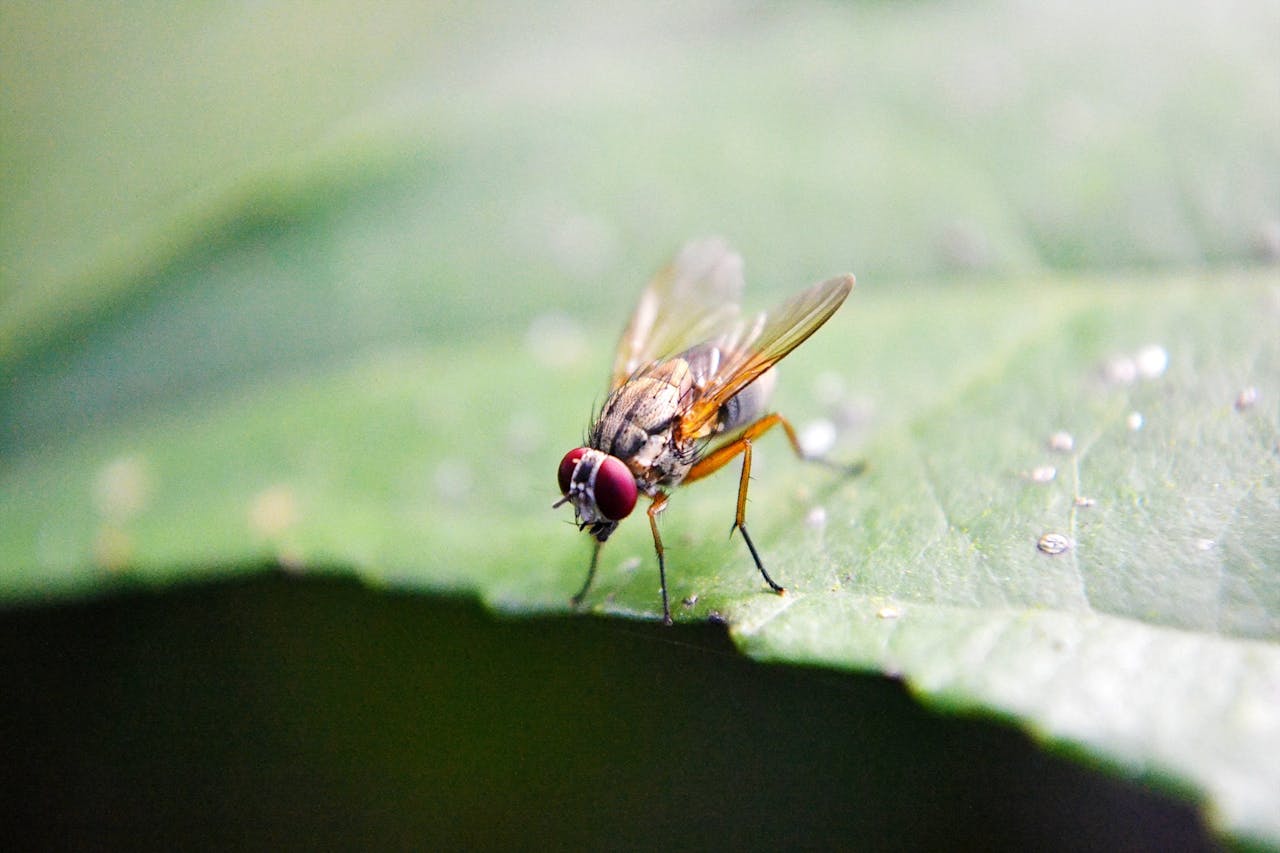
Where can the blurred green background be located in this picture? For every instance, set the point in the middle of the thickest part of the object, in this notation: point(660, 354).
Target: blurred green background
point(331, 288)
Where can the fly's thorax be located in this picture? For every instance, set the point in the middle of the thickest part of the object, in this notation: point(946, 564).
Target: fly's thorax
point(637, 425)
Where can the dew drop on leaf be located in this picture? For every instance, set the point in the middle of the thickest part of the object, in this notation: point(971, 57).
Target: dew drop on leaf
point(818, 437)
point(1054, 544)
point(1121, 370)
point(1044, 474)
point(1152, 361)
point(1062, 442)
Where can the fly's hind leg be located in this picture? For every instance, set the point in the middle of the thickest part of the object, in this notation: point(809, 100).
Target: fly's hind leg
point(851, 469)
point(740, 517)
point(722, 455)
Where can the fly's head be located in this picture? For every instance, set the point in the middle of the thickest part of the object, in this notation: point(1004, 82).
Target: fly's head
point(601, 488)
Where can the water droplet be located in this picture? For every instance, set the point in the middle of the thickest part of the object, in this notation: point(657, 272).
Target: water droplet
point(1152, 361)
point(1246, 399)
point(1122, 370)
point(1062, 441)
point(1054, 544)
point(1044, 474)
point(818, 437)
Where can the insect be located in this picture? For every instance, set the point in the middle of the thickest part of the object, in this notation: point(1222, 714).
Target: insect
point(688, 393)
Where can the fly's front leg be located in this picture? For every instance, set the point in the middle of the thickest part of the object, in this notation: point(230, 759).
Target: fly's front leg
point(591, 575)
point(660, 503)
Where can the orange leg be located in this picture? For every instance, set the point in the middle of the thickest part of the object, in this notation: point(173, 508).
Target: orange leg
point(722, 455)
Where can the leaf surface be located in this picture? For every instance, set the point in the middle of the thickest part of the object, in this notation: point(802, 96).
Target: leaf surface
point(360, 338)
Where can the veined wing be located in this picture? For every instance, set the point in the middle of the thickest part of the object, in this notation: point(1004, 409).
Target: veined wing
point(694, 299)
point(750, 350)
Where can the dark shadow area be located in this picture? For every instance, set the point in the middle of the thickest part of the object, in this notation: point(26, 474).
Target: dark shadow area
point(277, 713)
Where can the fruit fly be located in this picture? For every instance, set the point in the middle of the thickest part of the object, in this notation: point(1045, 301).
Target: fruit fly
point(688, 394)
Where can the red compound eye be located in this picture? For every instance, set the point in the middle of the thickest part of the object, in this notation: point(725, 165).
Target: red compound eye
point(615, 489)
point(567, 464)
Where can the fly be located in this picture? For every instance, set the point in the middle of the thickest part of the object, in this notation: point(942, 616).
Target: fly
point(689, 393)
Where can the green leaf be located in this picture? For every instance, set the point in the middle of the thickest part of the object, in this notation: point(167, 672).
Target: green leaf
point(365, 350)
point(1151, 642)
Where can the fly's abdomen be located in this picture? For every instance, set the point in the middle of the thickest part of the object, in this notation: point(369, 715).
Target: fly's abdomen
point(705, 362)
point(747, 405)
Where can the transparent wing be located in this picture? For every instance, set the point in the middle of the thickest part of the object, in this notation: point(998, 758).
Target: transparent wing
point(691, 301)
point(749, 350)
